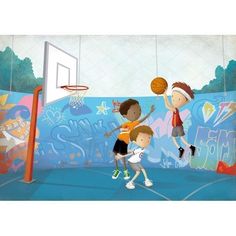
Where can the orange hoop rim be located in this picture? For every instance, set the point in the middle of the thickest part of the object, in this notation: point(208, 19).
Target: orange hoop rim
point(72, 88)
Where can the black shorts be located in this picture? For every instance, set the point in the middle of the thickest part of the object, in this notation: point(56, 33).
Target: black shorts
point(120, 147)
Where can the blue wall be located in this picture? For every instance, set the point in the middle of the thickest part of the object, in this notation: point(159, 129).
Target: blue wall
point(67, 137)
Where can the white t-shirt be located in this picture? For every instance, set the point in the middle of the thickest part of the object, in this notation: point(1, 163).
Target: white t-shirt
point(137, 154)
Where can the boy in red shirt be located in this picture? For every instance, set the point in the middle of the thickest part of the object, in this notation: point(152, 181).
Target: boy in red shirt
point(181, 95)
point(131, 110)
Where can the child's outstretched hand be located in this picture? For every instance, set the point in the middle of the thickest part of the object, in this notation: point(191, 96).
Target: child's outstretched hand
point(152, 108)
point(165, 92)
point(107, 134)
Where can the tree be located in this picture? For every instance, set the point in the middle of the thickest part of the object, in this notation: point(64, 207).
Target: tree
point(223, 78)
point(19, 72)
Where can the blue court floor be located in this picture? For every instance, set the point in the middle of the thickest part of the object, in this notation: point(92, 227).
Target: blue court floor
point(97, 184)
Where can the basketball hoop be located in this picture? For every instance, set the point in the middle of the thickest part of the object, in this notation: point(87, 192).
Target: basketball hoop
point(77, 94)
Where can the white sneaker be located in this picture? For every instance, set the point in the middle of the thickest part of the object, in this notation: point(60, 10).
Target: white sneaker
point(148, 183)
point(130, 185)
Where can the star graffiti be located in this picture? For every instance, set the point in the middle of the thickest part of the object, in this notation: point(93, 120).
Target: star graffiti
point(102, 109)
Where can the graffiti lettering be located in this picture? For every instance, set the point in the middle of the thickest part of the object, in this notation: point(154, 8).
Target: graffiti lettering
point(81, 137)
point(226, 110)
point(116, 106)
point(213, 146)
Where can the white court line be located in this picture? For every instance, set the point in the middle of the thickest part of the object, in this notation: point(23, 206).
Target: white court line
point(204, 186)
point(10, 181)
point(151, 190)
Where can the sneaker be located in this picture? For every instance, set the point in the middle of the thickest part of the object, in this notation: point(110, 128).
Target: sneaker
point(193, 149)
point(181, 152)
point(130, 185)
point(116, 174)
point(126, 174)
point(148, 183)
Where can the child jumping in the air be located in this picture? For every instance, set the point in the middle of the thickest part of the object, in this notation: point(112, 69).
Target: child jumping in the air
point(181, 95)
point(131, 110)
point(141, 136)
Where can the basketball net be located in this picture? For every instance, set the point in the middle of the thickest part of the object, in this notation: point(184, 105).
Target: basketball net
point(77, 99)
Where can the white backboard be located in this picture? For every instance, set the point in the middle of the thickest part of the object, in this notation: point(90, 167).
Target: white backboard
point(60, 68)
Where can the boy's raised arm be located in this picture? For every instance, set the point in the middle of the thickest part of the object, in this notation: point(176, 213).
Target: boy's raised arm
point(152, 109)
point(167, 103)
point(108, 134)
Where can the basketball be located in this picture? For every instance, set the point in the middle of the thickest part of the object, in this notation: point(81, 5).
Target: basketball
point(159, 85)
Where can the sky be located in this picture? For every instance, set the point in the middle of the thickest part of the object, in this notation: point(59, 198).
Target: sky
point(125, 65)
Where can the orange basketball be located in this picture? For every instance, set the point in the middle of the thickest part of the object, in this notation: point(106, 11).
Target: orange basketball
point(159, 85)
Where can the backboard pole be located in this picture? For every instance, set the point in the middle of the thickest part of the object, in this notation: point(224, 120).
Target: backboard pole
point(29, 164)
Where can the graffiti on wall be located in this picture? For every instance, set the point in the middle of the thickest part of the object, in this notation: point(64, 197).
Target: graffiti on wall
point(67, 139)
point(102, 109)
point(14, 132)
point(216, 138)
point(78, 142)
point(116, 106)
point(226, 110)
point(214, 146)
